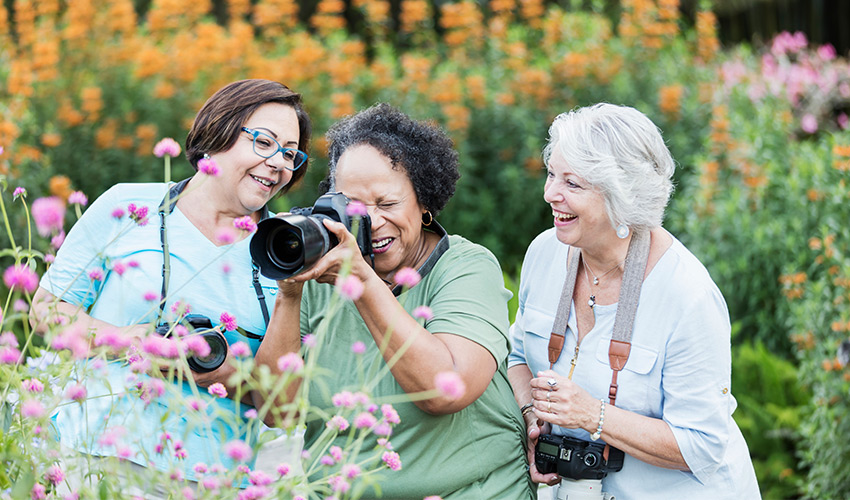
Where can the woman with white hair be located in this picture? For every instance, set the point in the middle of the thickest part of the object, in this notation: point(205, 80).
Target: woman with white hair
point(621, 346)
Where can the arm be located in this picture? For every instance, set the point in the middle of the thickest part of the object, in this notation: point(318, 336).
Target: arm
point(48, 309)
point(520, 378)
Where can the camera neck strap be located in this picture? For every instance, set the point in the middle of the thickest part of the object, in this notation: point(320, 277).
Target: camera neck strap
point(620, 346)
point(165, 208)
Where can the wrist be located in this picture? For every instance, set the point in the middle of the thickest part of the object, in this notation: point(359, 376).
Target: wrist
point(597, 430)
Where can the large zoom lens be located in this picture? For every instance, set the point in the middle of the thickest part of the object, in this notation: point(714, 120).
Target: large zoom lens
point(286, 245)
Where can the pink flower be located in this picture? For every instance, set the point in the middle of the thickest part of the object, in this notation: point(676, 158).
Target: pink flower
point(76, 392)
point(337, 422)
point(339, 484)
point(383, 429)
point(344, 399)
point(48, 214)
point(54, 474)
point(166, 146)
point(19, 191)
point(180, 308)
point(96, 275)
point(259, 478)
point(150, 296)
point(843, 121)
point(423, 312)
point(450, 384)
point(290, 362)
point(200, 468)
point(139, 215)
point(38, 492)
point(355, 208)
point(349, 287)
point(112, 436)
point(33, 385)
point(228, 321)
point(238, 450)
point(809, 124)
point(209, 167)
point(358, 347)
point(251, 414)
point(49, 258)
point(309, 340)
point(336, 453)
point(117, 212)
point(225, 235)
point(827, 52)
point(283, 469)
point(20, 277)
point(385, 443)
point(188, 493)
point(73, 338)
point(407, 277)
point(119, 267)
point(151, 389)
point(390, 415)
point(57, 240)
point(350, 471)
point(240, 349)
point(77, 197)
point(245, 223)
point(112, 338)
point(7, 338)
point(327, 460)
point(392, 460)
point(218, 389)
point(365, 421)
point(253, 493)
point(32, 408)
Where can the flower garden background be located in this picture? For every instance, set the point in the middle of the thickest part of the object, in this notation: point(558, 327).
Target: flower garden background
point(87, 87)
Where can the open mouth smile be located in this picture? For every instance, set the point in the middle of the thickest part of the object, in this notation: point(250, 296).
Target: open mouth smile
point(264, 181)
point(382, 245)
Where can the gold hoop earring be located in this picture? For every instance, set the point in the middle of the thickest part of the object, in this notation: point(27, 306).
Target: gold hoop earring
point(430, 218)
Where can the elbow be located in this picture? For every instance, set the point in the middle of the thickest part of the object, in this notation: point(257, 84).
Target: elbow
point(441, 405)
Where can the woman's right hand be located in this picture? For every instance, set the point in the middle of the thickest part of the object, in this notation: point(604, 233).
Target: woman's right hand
point(534, 428)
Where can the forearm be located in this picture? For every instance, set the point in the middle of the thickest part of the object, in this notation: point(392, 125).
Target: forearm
point(520, 379)
point(47, 310)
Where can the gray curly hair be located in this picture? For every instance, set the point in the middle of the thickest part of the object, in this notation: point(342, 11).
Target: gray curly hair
point(621, 153)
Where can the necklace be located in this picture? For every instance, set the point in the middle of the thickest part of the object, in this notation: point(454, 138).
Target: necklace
point(592, 300)
point(596, 278)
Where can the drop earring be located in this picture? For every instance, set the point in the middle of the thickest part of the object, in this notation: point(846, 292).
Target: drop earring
point(622, 231)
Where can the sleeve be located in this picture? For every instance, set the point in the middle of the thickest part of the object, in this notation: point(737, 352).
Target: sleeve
point(695, 383)
point(471, 301)
point(518, 328)
point(81, 252)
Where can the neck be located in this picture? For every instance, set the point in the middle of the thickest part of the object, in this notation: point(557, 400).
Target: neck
point(605, 257)
point(207, 208)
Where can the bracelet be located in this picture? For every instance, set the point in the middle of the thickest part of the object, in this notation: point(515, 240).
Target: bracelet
point(596, 435)
point(526, 408)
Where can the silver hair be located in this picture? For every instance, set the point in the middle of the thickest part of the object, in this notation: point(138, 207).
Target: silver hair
point(621, 153)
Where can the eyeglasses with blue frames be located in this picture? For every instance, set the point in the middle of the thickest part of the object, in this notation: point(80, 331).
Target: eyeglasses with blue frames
point(266, 146)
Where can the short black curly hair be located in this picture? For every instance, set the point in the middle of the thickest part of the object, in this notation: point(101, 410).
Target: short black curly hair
point(422, 149)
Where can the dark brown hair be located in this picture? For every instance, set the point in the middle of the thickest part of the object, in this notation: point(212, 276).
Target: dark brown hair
point(219, 121)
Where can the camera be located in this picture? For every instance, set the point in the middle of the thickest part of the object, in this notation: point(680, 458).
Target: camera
point(289, 244)
point(201, 325)
point(575, 458)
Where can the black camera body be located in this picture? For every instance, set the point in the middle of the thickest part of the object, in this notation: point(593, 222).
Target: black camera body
point(574, 458)
point(201, 325)
point(289, 244)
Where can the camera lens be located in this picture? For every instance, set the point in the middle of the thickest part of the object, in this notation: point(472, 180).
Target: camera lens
point(285, 248)
point(590, 459)
point(216, 357)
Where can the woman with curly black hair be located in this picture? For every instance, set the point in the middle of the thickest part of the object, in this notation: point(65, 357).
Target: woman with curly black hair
point(465, 442)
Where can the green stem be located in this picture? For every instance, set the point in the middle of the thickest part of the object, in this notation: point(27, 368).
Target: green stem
point(8, 228)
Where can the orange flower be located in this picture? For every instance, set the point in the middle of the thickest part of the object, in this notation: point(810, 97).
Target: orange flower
point(669, 99)
point(476, 89)
point(814, 243)
point(60, 186)
point(319, 146)
point(343, 104)
point(413, 14)
point(814, 194)
point(457, 117)
point(51, 139)
point(92, 102)
point(707, 43)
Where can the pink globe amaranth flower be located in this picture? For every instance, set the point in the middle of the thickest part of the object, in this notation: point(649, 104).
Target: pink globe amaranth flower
point(150, 296)
point(383, 429)
point(33, 385)
point(240, 350)
point(54, 474)
point(238, 450)
point(196, 344)
point(218, 389)
point(32, 408)
point(73, 338)
point(290, 362)
point(252, 413)
point(225, 235)
point(57, 240)
point(76, 392)
point(365, 421)
point(450, 384)
point(188, 493)
point(339, 484)
point(112, 436)
point(336, 453)
point(809, 124)
point(20, 277)
point(423, 312)
point(7, 338)
point(39, 492)
point(209, 167)
point(283, 469)
point(210, 483)
point(245, 223)
point(96, 275)
point(112, 338)
point(385, 443)
point(358, 347)
point(349, 287)
point(166, 146)
point(49, 258)
point(327, 460)
point(117, 212)
point(19, 191)
point(200, 468)
point(20, 306)
point(827, 52)
point(197, 404)
point(180, 454)
point(355, 209)
point(181, 308)
point(259, 478)
point(253, 493)
point(78, 198)
point(390, 415)
point(344, 399)
point(48, 214)
point(119, 268)
point(309, 340)
point(139, 215)
point(151, 389)
point(350, 471)
point(337, 422)
point(407, 277)
point(392, 460)
point(228, 321)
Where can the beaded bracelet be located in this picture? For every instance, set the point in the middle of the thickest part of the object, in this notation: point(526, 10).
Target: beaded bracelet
point(526, 408)
point(596, 435)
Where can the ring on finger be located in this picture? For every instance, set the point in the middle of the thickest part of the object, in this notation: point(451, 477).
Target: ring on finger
point(547, 395)
point(549, 407)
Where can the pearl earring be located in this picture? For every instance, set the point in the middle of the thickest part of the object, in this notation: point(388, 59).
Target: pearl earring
point(622, 231)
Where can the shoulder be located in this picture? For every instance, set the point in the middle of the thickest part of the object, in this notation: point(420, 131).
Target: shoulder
point(462, 248)
point(137, 192)
point(682, 278)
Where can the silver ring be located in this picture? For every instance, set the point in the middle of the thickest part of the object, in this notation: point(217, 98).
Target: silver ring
point(548, 393)
point(551, 382)
point(549, 408)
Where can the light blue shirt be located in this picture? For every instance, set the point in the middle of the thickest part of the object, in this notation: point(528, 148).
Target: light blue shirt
point(211, 279)
point(679, 369)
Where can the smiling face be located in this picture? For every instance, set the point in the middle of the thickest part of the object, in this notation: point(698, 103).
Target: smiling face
point(248, 181)
point(366, 175)
point(578, 209)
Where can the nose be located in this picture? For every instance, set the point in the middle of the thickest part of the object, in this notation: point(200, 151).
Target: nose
point(551, 194)
point(376, 219)
point(276, 161)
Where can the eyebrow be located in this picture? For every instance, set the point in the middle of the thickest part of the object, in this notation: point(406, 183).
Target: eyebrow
point(274, 135)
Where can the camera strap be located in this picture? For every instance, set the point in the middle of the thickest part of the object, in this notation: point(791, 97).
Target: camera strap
point(165, 208)
point(620, 346)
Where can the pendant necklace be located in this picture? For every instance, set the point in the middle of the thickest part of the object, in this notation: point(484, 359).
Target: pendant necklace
point(595, 278)
point(592, 300)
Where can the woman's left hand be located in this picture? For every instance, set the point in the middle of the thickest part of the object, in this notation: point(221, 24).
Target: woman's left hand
point(327, 269)
point(563, 402)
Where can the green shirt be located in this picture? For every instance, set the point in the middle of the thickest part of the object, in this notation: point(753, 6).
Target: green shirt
point(476, 453)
